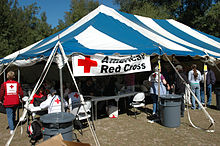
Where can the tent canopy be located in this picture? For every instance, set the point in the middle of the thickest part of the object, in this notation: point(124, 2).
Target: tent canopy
point(109, 31)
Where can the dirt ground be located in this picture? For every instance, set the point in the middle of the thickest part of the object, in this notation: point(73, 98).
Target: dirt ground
point(126, 130)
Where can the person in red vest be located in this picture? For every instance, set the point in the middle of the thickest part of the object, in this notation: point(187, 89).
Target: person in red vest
point(41, 93)
point(9, 94)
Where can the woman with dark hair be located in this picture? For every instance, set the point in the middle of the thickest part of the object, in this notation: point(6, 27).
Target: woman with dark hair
point(194, 77)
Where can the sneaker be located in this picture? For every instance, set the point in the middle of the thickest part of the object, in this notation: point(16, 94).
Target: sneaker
point(192, 108)
point(11, 132)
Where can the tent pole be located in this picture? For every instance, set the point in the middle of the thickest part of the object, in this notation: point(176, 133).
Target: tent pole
point(61, 90)
point(19, 80)
point(205, 72)
point(19, 75)
point(159, 76)
point(4, 77)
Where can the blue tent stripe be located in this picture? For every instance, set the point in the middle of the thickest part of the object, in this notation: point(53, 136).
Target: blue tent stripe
point(179, 33)
point(105, 22)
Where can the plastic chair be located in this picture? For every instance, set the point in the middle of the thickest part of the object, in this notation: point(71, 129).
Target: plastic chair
point(81, 113)
point(138, 101)
point(77, 110)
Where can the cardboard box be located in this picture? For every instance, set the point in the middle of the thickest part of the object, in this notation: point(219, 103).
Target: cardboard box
point(58, 141)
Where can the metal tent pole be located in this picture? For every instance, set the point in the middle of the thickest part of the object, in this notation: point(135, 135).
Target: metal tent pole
point(19, 80)
point(205, 72)
point(159, 76)
point(61, 90)
point(4, 76)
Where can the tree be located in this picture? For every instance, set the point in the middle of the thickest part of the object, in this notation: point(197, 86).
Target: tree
point(199, 14)
point(210, 22)
point(78, 9)
point(20, 27)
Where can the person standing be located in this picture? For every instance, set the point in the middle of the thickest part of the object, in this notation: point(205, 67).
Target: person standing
point(194, 77)
point(210, 81)
point(153, 79)
point(180, 86)
point(9, 93)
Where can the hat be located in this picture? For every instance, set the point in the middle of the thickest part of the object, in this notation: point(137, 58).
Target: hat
point(179, 67)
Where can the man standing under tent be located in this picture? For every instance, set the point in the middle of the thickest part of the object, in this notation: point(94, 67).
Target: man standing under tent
point(9, 93)
point(210, 81)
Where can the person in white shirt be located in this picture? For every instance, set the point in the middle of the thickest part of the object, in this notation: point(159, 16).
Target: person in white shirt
point(194, 77)
point(53, 103)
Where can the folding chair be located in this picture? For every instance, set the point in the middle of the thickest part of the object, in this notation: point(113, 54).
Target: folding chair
point(138, 101)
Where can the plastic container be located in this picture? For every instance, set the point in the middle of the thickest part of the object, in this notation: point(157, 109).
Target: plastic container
point(56, 123)
point(217, 91)
point(169, 110)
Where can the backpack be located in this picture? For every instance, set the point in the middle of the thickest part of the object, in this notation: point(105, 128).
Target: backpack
point(34, 130)
point(37, 101)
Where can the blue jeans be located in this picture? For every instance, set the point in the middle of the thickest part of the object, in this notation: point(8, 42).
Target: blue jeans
point(196, 90)
point(202, 94)
point(10, 111)
point(209, 94)
point(155, 102)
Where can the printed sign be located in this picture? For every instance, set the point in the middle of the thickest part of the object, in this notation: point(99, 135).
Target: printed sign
point(11, 88)
point(99, 65)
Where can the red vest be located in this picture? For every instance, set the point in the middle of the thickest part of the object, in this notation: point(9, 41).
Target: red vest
point(11, 93)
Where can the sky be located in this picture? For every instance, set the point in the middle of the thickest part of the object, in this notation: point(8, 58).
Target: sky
point(55, 8)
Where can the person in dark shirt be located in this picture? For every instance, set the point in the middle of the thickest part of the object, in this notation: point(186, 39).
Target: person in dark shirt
point(88, 88)
point(179, 86)
point(210, 81)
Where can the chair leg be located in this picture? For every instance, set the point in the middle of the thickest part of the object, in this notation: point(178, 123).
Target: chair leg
point(80, 126)
point(93, 125)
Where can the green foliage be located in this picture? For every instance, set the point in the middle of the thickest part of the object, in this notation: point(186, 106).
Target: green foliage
point(20, 27)
point(199, 14)
point(210, 22)
point(78, 9)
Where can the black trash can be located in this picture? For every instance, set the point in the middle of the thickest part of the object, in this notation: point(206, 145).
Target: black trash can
point(217, 91)
point(169, 110)
point(56, 123)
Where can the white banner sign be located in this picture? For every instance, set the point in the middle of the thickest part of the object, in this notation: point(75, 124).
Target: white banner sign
point(99, 65)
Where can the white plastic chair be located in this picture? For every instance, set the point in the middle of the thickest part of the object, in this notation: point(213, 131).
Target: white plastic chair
point(77, 110)
point(138, 101)
point(81, 113)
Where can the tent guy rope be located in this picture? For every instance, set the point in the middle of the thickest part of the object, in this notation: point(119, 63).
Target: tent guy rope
point(38, 84)
point(203, 109)
point(81, 97)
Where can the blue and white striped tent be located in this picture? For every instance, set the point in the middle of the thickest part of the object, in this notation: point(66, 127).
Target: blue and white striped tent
point(109, 31)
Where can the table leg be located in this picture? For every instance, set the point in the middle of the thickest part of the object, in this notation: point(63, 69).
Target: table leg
point(92, 111)
point(95, 110)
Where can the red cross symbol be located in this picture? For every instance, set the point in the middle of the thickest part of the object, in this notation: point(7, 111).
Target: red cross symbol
point(87, 63)
point(11, 86)
point(57, 101)
point(76, 95)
